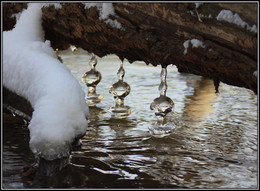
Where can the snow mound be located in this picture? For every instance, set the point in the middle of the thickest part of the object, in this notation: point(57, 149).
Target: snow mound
point(31, 69)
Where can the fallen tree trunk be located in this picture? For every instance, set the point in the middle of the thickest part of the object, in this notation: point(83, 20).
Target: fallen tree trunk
point(163, 34)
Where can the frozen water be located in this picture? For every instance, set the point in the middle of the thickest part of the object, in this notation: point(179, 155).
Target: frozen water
point(120, 90)
point(91, 79)
point(121, 72)
point(162, 105)
point(31, 69)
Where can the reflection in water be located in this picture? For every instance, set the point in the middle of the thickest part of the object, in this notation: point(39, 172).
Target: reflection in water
point(201, 102)
point(95, 113)
point(214, 144)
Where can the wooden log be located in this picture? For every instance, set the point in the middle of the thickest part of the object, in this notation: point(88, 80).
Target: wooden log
point(161, 34)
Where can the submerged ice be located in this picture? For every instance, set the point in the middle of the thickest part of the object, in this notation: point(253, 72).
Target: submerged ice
point(31, 69)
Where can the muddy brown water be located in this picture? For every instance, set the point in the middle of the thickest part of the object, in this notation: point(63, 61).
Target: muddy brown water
point(215, 144)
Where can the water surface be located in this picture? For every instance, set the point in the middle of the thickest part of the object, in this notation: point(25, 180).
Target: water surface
point(213, 146)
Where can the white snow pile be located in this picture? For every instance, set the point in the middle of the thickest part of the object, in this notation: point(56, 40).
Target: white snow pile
point(105, 9)
point(229, 16)
point(195, 44)
point(31, 69)
point(56, 6)
point(16, 16)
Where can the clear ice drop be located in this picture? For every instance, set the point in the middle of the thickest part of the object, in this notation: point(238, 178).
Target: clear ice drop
point(91, 79)
point(120, 90)
point(162, 105)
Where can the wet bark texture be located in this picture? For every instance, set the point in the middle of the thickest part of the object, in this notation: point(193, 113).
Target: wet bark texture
point(155, 33)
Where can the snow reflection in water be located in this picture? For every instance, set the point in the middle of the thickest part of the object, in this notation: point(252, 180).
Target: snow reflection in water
point(213, 146)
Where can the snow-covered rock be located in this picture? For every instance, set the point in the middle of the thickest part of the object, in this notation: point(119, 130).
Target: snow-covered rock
point(31, 69)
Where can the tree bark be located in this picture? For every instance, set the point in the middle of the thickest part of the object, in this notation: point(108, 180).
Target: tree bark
point(156, 32)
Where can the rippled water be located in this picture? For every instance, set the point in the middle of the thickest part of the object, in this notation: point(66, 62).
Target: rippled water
point(213, 146)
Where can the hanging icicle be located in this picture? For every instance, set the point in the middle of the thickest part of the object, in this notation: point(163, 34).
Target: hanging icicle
point(161, 106)
point(91, 79)
point(120, 90)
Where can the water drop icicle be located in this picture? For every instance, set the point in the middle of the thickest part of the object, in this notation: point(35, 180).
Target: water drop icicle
point(91, 79)
point(120, 90)
point(161, 106)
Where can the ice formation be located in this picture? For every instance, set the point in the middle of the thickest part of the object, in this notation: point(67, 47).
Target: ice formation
point(31, 69)
point(229, 16)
